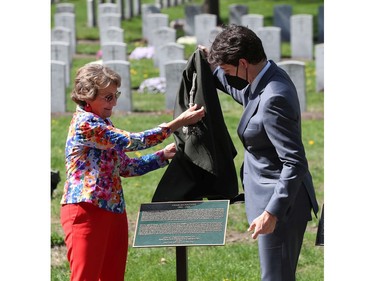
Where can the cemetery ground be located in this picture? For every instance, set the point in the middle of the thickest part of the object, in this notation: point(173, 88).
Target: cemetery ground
point(237, 260)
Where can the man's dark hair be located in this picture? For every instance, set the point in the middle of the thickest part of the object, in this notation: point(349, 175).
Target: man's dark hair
point(236, 42)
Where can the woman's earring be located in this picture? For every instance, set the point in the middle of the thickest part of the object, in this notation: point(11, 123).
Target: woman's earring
point(87, 107)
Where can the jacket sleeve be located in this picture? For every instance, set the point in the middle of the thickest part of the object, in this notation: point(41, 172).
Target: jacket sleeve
point(282, 126)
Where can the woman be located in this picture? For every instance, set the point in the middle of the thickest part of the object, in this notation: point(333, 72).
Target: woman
point(93, 214)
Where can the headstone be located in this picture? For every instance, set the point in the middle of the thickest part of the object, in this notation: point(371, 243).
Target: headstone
point(319, 67)
point(173, 77)
point(114, 51)
point(128, 9)
point(271, 40)
point(206, 23)
point(211, 37)
point(148, 9)
point(253, 21)
point(160, 37)
point(321, 24)
point(65, 8)
point(67, 20)
point(62, 34)
point(296, 71)
point(136, 7)
point(58, 96)
point(155, 21)
point(91, 13)
point(301, 33)
point(124, 103)
point(169, 52)
point(60, 51)
point(108, 20)
point(112, 34)
point(281, 18)
point(190, 12)
point(236, 11)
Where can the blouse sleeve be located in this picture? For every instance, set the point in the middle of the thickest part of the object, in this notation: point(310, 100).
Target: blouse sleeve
point(93, 131)
point(131, 167)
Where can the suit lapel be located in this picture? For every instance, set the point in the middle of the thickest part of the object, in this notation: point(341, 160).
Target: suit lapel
point(254, 101)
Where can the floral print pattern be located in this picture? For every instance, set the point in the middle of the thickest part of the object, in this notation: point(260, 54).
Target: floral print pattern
point(96, 158)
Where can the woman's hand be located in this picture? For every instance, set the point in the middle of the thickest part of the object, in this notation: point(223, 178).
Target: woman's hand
point(190, 116)
point(169, 151)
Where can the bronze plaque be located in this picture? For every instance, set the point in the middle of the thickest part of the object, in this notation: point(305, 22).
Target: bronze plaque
point(181, 223)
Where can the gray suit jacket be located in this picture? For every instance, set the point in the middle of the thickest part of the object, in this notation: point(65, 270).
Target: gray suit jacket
point(275, 166)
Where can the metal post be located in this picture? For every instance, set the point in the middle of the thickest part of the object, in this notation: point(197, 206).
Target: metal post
point(181, 263)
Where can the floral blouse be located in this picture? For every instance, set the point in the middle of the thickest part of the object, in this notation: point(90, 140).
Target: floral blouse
point(96, 157)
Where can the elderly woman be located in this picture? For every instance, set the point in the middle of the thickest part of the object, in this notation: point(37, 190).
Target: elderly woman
point(93, 214)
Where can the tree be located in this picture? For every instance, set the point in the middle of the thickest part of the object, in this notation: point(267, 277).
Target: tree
point(212, 7)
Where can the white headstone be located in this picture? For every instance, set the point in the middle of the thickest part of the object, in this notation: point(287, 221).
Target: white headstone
point(124, 103)
point(301, 37)
point(58, 96)
point(173, 77)
point(296, 71)
point(271, 41)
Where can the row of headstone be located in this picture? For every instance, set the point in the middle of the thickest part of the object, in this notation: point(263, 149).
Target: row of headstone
point(127, 9)
point(63, 48)
point(239, 14)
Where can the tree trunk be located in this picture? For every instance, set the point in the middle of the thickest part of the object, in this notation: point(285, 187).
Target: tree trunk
point(212, 7)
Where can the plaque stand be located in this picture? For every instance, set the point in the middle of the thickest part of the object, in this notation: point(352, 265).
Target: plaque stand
point(181, 263)
point(182, 224)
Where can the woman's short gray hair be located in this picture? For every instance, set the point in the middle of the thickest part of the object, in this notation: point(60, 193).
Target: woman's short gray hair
point(89, 79)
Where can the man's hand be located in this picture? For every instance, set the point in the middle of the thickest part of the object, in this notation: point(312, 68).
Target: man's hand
point(264, 224)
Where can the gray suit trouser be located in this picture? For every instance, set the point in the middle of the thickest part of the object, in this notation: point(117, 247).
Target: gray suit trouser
point(279, 251)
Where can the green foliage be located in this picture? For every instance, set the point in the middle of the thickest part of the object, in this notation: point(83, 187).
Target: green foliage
point(238, 259)
point(56, 239)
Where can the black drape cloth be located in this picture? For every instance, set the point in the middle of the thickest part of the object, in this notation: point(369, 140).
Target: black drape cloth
point(203, 166)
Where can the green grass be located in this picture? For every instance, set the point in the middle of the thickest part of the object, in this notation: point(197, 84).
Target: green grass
point(236, 261)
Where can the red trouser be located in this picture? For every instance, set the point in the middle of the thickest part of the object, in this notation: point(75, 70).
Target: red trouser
point(97, 242)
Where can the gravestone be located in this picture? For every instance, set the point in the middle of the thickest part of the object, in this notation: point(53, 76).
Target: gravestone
point(169, 52)
point(253, 21)
point(236, 11)
point(160, 37)
point(271, 40)
point(281, 18)
point(112, 34)
point(206, 23)
point(190, 12)
point(67, 20)
point(148, 9)
point(173, 77)
point(91, 13)
point(58, 88)
point(296, 71)
point(319, 67)
point(114, 51)
point(321, 24)
point(60, 51)
point(301, 33)
point(62, 34)
point(106, 21)
point(155, 21)
point(65, 8)
point(107, 8)
point(124, 103)
point(136, 8)
point(211, 37)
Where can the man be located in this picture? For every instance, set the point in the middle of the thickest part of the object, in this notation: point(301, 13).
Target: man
point(279, 192)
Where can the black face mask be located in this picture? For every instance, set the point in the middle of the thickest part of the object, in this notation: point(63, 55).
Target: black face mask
point(237, 82)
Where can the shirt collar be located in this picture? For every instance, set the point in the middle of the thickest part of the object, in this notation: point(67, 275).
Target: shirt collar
point(255, 83)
